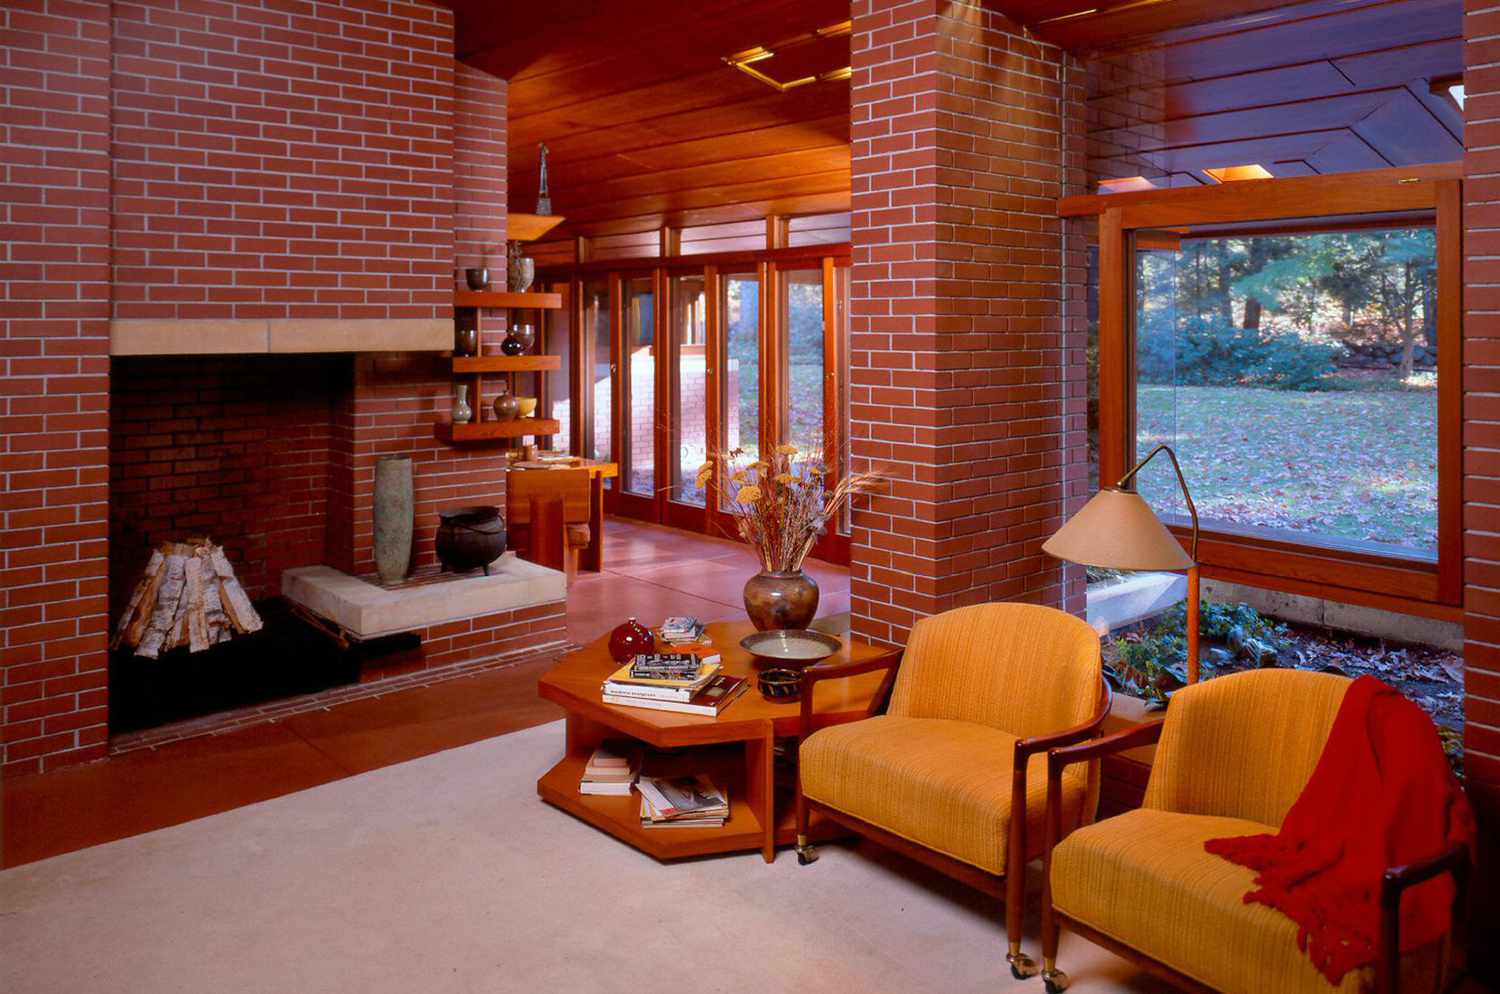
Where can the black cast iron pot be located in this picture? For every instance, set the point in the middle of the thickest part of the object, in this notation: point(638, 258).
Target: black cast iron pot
point(470, 538)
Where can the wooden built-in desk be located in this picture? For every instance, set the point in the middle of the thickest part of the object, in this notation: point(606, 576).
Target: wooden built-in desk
point(591, 556)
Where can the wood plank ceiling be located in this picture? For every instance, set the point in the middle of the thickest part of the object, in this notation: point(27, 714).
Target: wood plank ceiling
point(647, 125)
point(1180, 86)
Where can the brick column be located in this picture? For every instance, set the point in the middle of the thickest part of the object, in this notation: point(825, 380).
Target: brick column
point(54, 363)
point(963, 381)
point(1481, 433)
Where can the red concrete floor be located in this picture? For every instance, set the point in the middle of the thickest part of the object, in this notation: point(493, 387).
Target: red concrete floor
point(649, 572)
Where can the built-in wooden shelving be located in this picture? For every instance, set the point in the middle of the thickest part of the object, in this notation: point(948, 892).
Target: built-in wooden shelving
point(506, 364)
point(487, 431)
point(529, 227)
point(494, 299)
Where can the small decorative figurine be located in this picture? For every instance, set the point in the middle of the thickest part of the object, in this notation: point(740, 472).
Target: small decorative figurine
point(543, 198)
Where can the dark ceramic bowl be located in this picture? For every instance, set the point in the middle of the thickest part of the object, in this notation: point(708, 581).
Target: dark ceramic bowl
point(478, 279)
point(780, 684)
point(790, 647)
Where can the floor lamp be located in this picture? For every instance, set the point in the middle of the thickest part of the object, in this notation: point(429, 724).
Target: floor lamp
point(1117, 529)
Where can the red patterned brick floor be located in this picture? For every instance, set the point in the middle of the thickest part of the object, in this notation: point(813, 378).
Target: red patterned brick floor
point(650, 572)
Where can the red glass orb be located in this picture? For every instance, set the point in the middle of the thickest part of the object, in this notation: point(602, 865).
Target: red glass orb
point(630, 639)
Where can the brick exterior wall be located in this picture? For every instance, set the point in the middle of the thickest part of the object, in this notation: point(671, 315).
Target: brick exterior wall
point(282, 160)
point(961, 375)
point(54, 365)
point(1481, 408)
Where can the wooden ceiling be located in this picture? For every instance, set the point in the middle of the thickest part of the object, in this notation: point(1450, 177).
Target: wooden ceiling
point(1314, 87)
point(645, 123)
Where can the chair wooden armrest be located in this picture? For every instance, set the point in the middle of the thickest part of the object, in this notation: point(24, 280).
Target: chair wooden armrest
point(889, 660)
point(1054, 740)
point(1393, 885)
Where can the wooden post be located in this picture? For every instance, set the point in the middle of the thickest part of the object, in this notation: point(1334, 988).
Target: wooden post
point(1192, 624)
point(669, 241)
point(778, 231)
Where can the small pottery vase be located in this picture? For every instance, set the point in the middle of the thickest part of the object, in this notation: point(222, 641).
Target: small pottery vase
point(506, 405)
point(519, 270)
point(525, 407)
point(781, 600)
point(465, 340)
point(462, 412)
point(478, 279)
point(630, 639)
point(525, 334)
point(394, 506)
point(512, 346)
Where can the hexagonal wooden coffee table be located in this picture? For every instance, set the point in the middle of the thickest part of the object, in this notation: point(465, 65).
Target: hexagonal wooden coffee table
point(737, 748)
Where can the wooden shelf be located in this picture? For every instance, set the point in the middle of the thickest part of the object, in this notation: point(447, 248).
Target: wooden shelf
point(486, 431)
point(529, 227)
point(506, 363)
point(494, 298)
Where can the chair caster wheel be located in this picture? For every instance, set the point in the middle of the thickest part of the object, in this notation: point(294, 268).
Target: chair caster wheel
point(807, 855)
point(1055, 981)
point(1021, 965)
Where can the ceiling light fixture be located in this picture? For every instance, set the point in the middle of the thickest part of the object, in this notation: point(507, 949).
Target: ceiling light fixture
point(1451, 87)
point(1126, 184)
point(1232, 174)
point(745, 61)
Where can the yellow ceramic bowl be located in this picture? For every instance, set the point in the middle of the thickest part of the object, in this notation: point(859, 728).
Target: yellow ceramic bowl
point(526, 408)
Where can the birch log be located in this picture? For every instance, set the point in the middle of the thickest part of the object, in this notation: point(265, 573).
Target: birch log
point(187, 596)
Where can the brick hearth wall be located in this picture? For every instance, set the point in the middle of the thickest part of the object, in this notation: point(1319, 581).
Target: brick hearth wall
point(1482, 451)
point(54, 364)
point(234, 447)
point(960, 381)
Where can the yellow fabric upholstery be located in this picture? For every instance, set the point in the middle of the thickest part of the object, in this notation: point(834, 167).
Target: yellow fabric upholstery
point(1021, 668)
point(937, 769)
point(1244, 746)
point(942, 784)
point(1143, 879)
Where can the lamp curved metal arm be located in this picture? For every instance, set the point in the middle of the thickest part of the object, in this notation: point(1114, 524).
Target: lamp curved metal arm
point(1187, 496)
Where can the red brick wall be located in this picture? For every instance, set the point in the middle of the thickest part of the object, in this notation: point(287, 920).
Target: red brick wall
point(958, 369)
point(233, 447)
point(54, 403)
point(283, 159)
point(1482, 448)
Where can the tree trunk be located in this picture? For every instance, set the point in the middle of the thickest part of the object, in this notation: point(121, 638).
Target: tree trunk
point(1252, 314)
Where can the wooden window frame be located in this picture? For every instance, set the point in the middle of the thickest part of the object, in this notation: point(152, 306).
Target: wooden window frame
point(662, 507)
point(1412, 584)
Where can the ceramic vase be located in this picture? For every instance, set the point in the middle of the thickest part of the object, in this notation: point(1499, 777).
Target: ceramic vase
point(394, 507)
point(465, 339)
point(506, 405)
point(519, 270)
point(630, 639)
point(462, 412)
point(781, 600)
point(478, 278)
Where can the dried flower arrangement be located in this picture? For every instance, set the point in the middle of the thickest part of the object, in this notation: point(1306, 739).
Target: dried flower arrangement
point(782, 505)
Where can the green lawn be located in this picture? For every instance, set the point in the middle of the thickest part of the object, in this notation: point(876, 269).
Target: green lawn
point(1346, 464)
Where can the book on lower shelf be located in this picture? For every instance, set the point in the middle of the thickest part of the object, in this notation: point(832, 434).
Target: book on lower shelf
point(611, 770)
point(682, 802)
point(710, 700)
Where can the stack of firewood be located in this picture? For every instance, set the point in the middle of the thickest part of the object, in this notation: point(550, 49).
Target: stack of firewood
point(188, 596)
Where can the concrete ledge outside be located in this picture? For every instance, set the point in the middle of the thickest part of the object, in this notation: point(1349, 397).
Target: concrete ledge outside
point(187, 336)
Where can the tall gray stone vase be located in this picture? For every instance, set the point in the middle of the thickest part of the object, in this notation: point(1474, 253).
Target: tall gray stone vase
point(395, 515)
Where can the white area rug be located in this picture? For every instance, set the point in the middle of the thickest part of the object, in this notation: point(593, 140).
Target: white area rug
point(448, 874)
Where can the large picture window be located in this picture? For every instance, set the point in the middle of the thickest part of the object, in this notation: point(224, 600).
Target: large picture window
point(1295, 375)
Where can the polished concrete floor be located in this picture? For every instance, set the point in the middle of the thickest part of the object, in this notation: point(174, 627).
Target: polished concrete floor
point(649, 572)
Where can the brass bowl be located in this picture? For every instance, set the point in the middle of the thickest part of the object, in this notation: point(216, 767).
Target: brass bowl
point(790, 647)
point(526, 407)
point(779, 684)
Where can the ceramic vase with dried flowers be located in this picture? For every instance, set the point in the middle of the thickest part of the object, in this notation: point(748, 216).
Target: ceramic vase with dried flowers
point(781, 507)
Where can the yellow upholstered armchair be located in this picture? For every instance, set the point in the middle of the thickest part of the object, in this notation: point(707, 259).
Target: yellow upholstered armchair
point(1232, 757)
point(954, 773)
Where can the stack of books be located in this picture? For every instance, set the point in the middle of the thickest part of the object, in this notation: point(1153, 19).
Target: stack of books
point(674, 681)
point(682, 631)
point(611, 771)
point(682, 802)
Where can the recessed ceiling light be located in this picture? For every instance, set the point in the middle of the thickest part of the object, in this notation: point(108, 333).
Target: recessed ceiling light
point(1231, 174)
point(1126, 184)
point(1451, 87)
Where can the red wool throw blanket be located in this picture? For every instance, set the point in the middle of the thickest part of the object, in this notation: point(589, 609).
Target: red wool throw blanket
point(1382, 795)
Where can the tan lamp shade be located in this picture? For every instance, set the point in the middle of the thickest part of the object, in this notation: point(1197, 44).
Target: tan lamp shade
point(1117, 529)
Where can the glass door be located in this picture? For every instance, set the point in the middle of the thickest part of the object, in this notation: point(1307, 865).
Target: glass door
point(689, 401)
point(637, 371)
point(597, 408)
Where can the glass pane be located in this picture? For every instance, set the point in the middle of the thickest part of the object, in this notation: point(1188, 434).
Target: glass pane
point(1296, 377)
point(802, 317)
point(596, 334)
point(639, 431)
point(741, 379)
point(690, 333)
point(841, 314)
point(559, 391)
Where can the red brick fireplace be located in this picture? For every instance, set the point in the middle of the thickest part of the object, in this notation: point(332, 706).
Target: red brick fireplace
point(189, 175)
